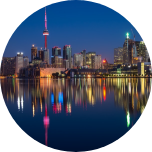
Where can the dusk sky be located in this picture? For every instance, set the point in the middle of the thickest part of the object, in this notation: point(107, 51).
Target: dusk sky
point(83, 25)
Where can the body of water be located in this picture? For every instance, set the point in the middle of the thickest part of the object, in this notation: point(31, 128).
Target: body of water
point(76, 114)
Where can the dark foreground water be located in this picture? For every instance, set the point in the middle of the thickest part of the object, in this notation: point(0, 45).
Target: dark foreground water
point(76, 114)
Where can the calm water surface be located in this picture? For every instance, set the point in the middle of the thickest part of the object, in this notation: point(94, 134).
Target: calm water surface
point(76, 114)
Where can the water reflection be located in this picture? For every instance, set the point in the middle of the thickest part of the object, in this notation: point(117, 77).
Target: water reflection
point(65, 95)
point(131, 94)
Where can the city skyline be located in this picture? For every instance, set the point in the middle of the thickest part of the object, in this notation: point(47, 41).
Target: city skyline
point(80, 24)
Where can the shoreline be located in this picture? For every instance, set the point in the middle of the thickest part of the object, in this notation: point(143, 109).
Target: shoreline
point(74, 77)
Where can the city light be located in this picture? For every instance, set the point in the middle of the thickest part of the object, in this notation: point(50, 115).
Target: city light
point(127, 35)
point(104, 61)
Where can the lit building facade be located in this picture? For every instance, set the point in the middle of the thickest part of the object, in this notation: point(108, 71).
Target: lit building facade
point(19, 62)
point(8, 66)
point(56, 51)
point(118, 55)
point(33, 52)
point(147, 57)
point(97, 63)
point(46, 56)
point(25, 62)
point(66, 64)
point(84, 57)
point(41, 54)
point(57, 61)
point(141, 68)
point(143, 52)
point(78, 59)
point(89, 59)
point(67, 51)
point(128, 51)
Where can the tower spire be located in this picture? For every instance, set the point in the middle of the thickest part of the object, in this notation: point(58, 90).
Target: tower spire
point(45, 19)
point(45, 32)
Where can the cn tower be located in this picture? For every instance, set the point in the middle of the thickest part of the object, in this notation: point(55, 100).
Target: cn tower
point(45, 32)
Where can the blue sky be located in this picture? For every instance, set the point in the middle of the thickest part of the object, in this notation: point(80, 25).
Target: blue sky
point(83, 25)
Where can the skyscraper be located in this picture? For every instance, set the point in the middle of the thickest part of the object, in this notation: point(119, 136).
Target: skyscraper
point(84, 57)
point(78, 59)
point(97, 62)
point(128, 51)
point(56, 51)
point(57, 61)
point(118, 55)
point(8, 66)
point(46, 56)
point(33, 52)
point(19, 62)
point(142, 52)
point(41, 54)
point(67, 51)
point(25, 62)
point(89, 59)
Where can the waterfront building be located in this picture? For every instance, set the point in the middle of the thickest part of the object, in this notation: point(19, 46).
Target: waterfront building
point(105, 64)
point(143, 52)
point(57, 61)
point(78, 59)
point(141, 68)
point(67, 51)
point(90, 59)
point(8, 66)
point(25, 61)
point(66, 64)
point(33, 52)
point(84, 57)
point(19, 62)
point(36, 61)
point(128, 51)
point(147, 56)
point(118, 55)
point(72, 62)
point(97, 62)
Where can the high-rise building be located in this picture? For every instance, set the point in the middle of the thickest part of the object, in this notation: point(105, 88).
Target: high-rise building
point(89, 59)
point(46, 56)
point(84, 57)
point(41, 54)
point(142, 52)
point(19, 62)
point(118, 55)
point(128, 51)
point(141, 68)
point(67, 51)
point(66, 63)
point(57, 61)
point(78, 59)
point(96, 61)
point(25, 62)
point(33, 52)
point(97, 64)
point(147, 57)
point(71, 62)
point(56, 51)
point(8, 66)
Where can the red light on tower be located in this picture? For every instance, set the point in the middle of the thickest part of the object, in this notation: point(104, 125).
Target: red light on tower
point(104, 61)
